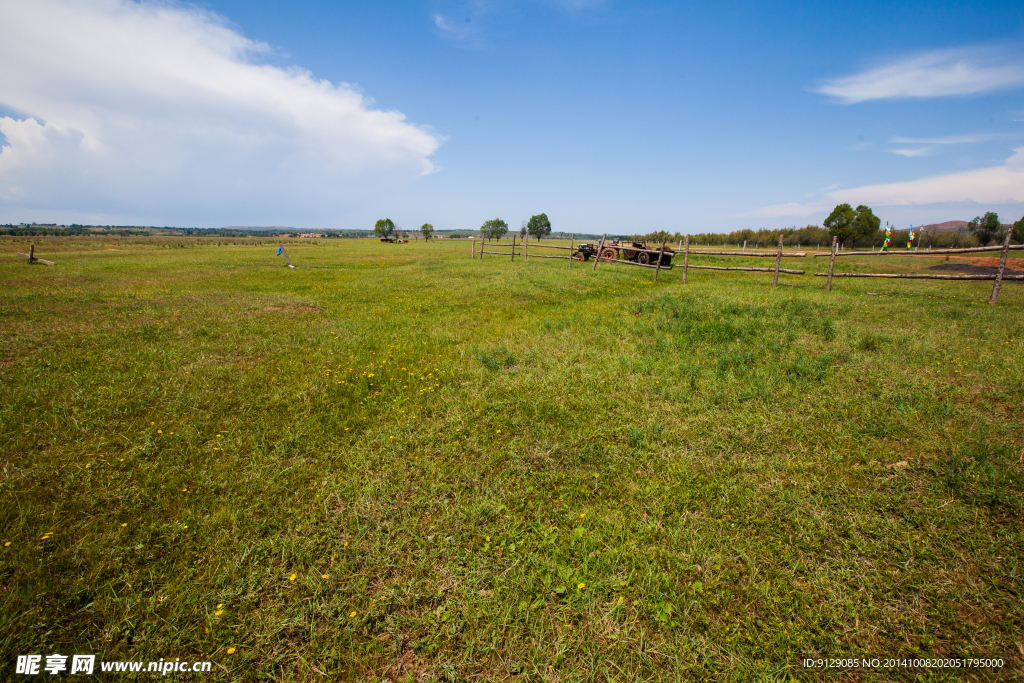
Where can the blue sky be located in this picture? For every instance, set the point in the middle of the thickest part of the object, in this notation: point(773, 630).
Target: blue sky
point(608, 116)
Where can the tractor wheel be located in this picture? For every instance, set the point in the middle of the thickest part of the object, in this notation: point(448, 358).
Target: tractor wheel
point(579, 257)
point(610, 254)
point(643, 258)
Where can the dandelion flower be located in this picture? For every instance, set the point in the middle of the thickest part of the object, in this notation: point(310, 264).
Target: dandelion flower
point(220, 605)
point(323, 576)
point(353, 614)
point(582, 586)
point(207, 631)
point(7, 544)
point(218, 613)
point(152, 423)
point(487, 538)
point(583, 515)
point(185, 527)
point(292, 577)
point(159, 431)
point(231, 650)
point(125, 524)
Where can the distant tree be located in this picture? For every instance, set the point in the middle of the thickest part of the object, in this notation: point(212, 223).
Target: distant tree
point(384, 227)
point(539, 226)
point(1018, 231)
point(985, 228)
point(865, 225)
point(522, 230)
point(428, 230)
point(840, 222)
point(494, 229)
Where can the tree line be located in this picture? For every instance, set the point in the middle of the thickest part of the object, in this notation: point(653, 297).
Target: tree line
point(854, 228)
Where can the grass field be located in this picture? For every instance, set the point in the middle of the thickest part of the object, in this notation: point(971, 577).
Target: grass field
point(397, 462)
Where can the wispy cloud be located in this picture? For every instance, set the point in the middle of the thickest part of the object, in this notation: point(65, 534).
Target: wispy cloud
point(939, 73)
point(140, 106)
point(993, 185)
point(970, 138)
point(784, 210)
point(463, 31)
point(912, 152)
point(1002, 183)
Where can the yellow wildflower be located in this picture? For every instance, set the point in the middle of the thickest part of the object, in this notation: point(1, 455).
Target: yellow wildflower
point(292, 577)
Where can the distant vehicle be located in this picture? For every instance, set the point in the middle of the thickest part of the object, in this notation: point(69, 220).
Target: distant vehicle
point(637, 252)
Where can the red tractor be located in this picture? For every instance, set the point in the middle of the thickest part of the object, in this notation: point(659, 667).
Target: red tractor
point(638, 252)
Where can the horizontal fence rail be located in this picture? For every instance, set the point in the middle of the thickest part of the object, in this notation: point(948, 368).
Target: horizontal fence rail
point(772, 254)
point(966, 250)
point(922, 276)
point(759, 270)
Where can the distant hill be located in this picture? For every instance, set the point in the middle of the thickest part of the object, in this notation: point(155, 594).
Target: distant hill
point(948, 226)
point(255, 228)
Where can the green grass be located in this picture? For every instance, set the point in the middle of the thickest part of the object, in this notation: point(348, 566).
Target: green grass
point(479, 470)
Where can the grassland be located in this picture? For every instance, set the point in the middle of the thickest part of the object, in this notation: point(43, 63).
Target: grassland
point(397, 462)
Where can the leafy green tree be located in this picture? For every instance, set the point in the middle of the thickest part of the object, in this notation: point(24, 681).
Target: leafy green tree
point(840, 222)
point(1018, 231)
point(865, 225)
point(384, 227)
point(494, 229)
point(985, 228)
point(539, 226)
point(428, 230)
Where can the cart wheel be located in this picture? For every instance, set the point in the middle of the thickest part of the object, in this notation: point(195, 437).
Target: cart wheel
point(610, 254)
point(643, 258)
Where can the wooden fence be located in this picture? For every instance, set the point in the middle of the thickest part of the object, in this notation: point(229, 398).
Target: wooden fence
point(998, 276)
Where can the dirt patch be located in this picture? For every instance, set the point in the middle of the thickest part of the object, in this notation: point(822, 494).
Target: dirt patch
point(975, 268)
point(1015, 263)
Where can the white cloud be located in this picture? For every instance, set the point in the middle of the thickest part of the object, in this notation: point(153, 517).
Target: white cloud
point(783, 210)
point(1001, 185)
point(912, 152)
point(996, 184)
point(932, 74)
point(143, 107)
point(970, 138)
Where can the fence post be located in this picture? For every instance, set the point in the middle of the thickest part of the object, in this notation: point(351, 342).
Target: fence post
point(778, 260)
point(1002, 265)
point(526, 248)
point(598, 256)
point(572, 238)
point(472, 247)
point(686, 258)
point(660, 255)
point(513, 248)
point(831, 264)
point(744, 245)
point(31, 253)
